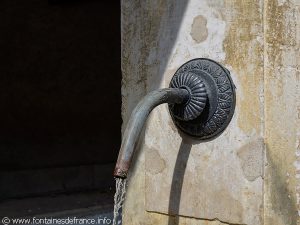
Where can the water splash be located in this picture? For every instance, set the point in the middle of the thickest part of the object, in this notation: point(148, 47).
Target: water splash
point(119, 199)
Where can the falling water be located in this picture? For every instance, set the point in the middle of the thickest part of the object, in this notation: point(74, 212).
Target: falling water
point(119, 199)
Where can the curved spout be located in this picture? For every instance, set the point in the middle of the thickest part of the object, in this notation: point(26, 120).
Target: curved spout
point(137, 120)
point(201, 101)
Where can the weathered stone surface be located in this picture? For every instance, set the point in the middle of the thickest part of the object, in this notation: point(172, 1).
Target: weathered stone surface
point(221, 179)
point(282, 110)
point(175, 178)
point(199, 29)
point(149, 29)
point(252, 158)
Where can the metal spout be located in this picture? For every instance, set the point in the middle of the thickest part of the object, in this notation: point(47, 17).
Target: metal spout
point(201, 101)
point(137, 120)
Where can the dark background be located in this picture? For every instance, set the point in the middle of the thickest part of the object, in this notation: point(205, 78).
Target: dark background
point(60, 93)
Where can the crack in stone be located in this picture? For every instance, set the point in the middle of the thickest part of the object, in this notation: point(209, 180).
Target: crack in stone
point(197, 218)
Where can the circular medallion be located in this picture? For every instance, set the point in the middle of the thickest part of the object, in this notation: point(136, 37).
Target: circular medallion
point(212, 98)
point(196, 103)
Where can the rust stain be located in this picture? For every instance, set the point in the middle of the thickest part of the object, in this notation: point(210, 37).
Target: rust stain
point(245, 54)
point(278, 32)
point(277, 35)
point(281, 120)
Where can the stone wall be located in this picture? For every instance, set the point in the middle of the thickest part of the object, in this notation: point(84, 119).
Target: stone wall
point(248, 175)
point(282, 112)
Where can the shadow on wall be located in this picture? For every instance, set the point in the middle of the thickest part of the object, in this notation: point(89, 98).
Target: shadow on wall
point(177, 181)
point(149, 32)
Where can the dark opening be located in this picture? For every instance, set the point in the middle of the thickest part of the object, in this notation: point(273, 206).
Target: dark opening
point(60, 97)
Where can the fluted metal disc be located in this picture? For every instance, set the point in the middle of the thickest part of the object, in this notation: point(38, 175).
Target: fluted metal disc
point(195, 105)
point(216, 111)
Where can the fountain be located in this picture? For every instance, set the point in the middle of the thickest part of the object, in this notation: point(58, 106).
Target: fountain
point(201, 100)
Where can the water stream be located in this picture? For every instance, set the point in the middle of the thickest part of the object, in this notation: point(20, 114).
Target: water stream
point(119, 199)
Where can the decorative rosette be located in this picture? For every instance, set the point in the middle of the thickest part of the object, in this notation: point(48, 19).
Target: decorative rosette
point(196, 103)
